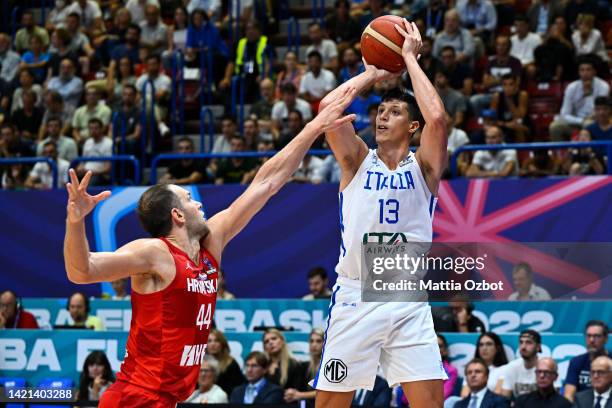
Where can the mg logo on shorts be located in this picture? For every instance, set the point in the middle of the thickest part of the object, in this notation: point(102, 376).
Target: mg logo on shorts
point(335, 370)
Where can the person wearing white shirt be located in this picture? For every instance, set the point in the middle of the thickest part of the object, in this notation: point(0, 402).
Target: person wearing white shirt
point(522, 277)
point(208, 392)
point(289, 101)
point(493, 163)
point(137, 8)
point(89, 10)
point(601, 380)
point(476, 375)
point(318, 81)
point(97, 145)
point(578, 101)
point(41, 176)
point(327, 48)
point(587, 39)
point(309, 170)
point(519, 375)
point(524, 44)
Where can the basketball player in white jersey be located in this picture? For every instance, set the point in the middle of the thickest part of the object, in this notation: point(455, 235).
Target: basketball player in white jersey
point(385, 190)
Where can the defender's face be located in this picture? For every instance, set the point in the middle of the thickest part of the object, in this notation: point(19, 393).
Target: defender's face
point(192, 212)
point(392, 121)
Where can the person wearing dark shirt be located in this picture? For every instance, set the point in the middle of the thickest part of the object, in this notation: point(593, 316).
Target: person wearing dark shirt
point(433, 17)
point(60, 39)
point(465, 321)
point(428, 63)
point(546, 395)
point(258, 389)
point(203, 37)
point(585, 160)
point(511, 107)
point(127, 122)
point(283, 369)
point(230, 374)
point(12, 145)
point(232, 170)
point(376, 9)
point(131, 47)
point(360, 107)
point(28, 118)
point(12, 314)
point(576, 7)
point(186, 171)
point(601, 128)
point(343, 29)
point(554, 58)
point(460, 75)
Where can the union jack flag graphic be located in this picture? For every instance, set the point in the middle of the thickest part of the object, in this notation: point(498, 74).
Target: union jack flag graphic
point(467, 222)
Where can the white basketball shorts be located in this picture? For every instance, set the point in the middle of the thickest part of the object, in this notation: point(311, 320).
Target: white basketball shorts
point(361, 335)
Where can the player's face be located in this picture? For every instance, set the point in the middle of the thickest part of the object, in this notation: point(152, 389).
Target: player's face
point(528, 347)
point(273, 344)
point(486, 348)
point(214, 345)
point(596, 339)
point(476, 376)
point(393, 121)
point(192, 211)
point(315, 344)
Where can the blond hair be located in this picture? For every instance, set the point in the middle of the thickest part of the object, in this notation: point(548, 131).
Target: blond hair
point(284, 356)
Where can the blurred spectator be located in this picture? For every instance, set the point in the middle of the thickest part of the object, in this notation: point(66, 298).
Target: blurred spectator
point(327, 48)
point(545, 395)
point(265, 144)
point(66, 147)
point(79, 41)
point(137, 8)
point(478, 16)
point(295, 124)
point(575, 8)
point(116, 82)
point(309, 170)
point(232, 170)
point(228, 130)
point(524, 43)
point(519, 375)
point(318, 284)
point(376, 8)
point(490, 349)
point(309, 368)
point(379, 396)
point(12, 313)
point(28, 118)
point(11, 144)
point(341, 27)
point(351, 65)
point(97, 145)
point(35, 59)
point(79, 308)
point(54, 105)
point(185, 171)
point(428, 63)
point(129, 48)
point(526, 289)
point(222, 292)
point(60, 41)
point(449, 369)
point(542, 14)
point(163, 87)
point(211, 7)
point(600, 395)
point(360, 107)
point(454, 36)
point(289, 101)
point(91, 15)
point(502, 63)
point(251, 134)
point(494, 163)
point(368, 134)
point(460, 74)
point(578, 376)
point(230, 375)
point(291, 73)
point(540, 163)
point(14, 177)
point(601, 128)
point(587, 39)
point(262, 109)
point(477, 375)
point(30, 28)
point(154, 33)
point(585, 160)
point(317, 82)
point(433, 17)
point(208, 392)
point(69, 86)
point(554, 58)
point(258, 389)
point(93, 108)
point(252, 59)
point(26, 80)
point(465, 321)
point(128, 123)
point(178, 31)
point(511, 107)
point(120, 289)
point(96, 376)
point(454, 102)
point(9, 61)
point(456, 137)
point(283, 369)
point(58, 15)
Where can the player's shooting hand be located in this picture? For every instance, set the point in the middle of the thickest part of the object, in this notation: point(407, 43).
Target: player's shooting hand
point(80, 202)
point(380, 74)
point(412, 39)
point(331, 116)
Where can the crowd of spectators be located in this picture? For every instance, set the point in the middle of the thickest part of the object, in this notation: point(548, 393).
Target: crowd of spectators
point(72, 85)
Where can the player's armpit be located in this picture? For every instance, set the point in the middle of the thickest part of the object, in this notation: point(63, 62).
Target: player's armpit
point(349, 150)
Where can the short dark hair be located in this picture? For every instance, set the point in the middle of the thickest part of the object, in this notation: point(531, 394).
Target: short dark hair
point(154, 207)
point(599, 323)
point(136, 27)
point(533, 334)
point(96, 121)
point(346, 3)
point(448, 48)
point(317, 271)
point(50, 143)
point(132, 87)
point(477, 361)
point(602, 101)
point(297, 112)
point(585, 59)
point(401, 95)
point(156, 57)
point(315, 54)
point(507, 76)
point(444, 72)
point(289, 88)
point(314, 23)
point(260, 358)
point(54, 119)
point(523, 266)
point(186, 139)
point(77, 16)
point(229, 117)
point(521, 17)
point(27, 11)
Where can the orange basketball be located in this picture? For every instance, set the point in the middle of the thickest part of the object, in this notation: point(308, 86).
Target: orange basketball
point(381, 44)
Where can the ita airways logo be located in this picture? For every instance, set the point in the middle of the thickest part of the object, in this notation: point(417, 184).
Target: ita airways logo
point(335, 370)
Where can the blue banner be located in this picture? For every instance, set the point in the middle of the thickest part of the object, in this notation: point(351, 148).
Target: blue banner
point(298, 229)
point(36, 355)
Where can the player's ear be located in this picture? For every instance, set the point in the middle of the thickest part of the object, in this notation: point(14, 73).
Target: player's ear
point(178, 215)
point(414, 125)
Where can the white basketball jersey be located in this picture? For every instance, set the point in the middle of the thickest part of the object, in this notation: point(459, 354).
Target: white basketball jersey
point(383, 206)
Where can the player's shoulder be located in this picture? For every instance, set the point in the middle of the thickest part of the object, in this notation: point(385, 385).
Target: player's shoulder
point(145, 247)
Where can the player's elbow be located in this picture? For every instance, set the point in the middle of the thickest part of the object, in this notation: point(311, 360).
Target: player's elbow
point(437, 119)
point(76, 276)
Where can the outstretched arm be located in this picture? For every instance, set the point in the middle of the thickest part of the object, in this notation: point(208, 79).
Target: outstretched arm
point(432, 154)
point(273, 174)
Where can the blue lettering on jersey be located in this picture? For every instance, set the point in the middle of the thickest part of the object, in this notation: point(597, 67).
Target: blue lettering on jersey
point(396, 181)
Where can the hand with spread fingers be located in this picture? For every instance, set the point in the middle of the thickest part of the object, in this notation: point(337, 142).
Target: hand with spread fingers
point(330, 117)
point(80, 202)
point(412, 39)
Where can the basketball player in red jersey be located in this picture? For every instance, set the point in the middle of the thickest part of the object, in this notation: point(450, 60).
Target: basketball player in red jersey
point(174, 274)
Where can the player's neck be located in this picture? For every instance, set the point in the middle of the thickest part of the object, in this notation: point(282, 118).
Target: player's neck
point(189, 245)
point(392, 153)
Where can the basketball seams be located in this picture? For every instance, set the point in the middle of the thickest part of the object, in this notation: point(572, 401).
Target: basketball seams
point(382, 39)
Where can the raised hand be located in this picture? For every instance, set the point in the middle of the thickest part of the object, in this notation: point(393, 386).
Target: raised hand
point(380, 74)
point(80, 202)
point(329, 118)
point(412, 39)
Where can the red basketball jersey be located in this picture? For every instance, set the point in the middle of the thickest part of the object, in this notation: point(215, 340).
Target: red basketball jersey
point(169, 328)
